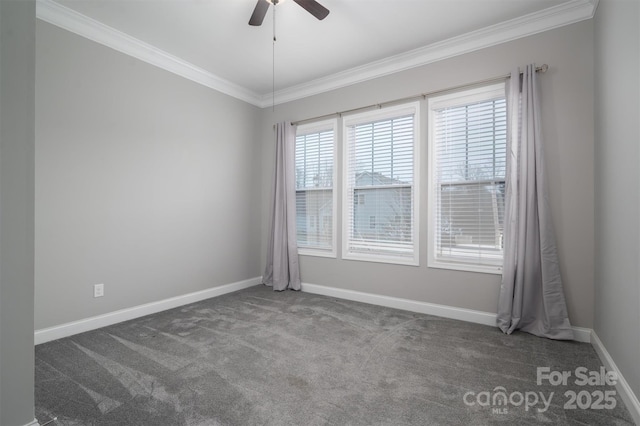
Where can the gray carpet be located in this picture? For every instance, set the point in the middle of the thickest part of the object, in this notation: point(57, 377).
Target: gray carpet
point(256, 357)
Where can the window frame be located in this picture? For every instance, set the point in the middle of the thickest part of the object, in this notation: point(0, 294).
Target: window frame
point(318, 127)
point(459, 98)
point(380, 114)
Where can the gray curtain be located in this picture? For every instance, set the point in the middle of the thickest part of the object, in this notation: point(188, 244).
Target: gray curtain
point(282, 270)
point(531, 295)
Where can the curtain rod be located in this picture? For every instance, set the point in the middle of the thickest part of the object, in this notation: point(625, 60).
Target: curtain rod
point(541, 69)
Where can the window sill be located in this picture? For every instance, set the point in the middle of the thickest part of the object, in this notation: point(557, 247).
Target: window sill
point(466, 267)
point(316, 253)
point(381, 259)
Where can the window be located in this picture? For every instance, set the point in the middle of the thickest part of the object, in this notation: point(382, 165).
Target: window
point(467, 152)
point(380, 178)
point(315, 197)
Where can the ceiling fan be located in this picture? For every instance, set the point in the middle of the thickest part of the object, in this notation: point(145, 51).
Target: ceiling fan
point(311, 6)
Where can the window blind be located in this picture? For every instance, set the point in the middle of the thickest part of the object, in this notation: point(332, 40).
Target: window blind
point(380, 187)
point(314, 189)
point(469, 180)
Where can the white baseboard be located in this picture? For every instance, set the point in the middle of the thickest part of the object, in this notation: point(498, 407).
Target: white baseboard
point(586, 335)
point(87, 324)
point(581, 334)
point(469, 315)
point(33, 423)
point(479, 317)
point(623, 388)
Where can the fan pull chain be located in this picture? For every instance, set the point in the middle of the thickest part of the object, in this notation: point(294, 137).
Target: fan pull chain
point(273, 61)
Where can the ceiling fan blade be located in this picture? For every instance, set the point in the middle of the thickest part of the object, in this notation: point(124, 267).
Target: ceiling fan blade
point(314, 8)
point(259, 13)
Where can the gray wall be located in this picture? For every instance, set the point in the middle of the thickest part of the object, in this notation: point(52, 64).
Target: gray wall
point(617, 184)
point(567, 102)
point(17, 47)
point(145, 181)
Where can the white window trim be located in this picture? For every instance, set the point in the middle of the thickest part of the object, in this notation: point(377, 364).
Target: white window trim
point(439, 102)
point(315, 127)
point(381, 114)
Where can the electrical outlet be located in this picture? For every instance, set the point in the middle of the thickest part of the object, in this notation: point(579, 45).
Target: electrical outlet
point(98, 290)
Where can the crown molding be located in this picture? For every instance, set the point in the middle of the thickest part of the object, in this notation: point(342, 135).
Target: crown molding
point(557, 16)
point(527, 25)
point(70, 20)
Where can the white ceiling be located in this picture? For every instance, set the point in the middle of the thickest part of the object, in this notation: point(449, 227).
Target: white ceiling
point(213, 36)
